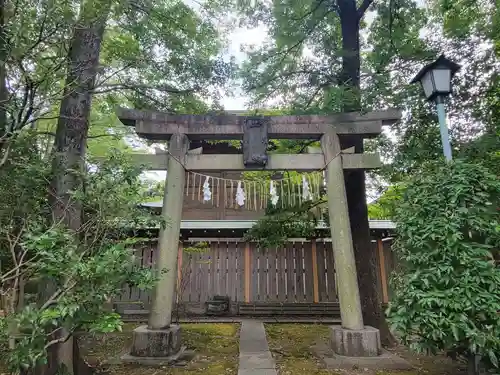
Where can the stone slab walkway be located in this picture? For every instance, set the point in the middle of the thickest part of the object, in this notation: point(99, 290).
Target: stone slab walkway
point(255, 357)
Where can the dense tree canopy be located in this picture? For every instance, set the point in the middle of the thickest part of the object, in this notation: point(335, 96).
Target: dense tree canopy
point(163, 55)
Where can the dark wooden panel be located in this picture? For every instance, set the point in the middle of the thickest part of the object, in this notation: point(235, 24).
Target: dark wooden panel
point(254, 280)
point(290, 272)
point(330, 273)
point(378, 274)
point(231, 270)
point(241, 271)
point(145, 261)
point(299, 267)
point(281, 273)
point(205, 261)
point(271, 275)
point(186, 276)
point(224, 270)
point(263, 287)
point(321, 250)
point(212, 289)
point(308, 272)
point(391, 264)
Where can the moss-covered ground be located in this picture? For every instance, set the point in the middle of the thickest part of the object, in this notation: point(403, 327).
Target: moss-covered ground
point(215, 345)
point(294, 347)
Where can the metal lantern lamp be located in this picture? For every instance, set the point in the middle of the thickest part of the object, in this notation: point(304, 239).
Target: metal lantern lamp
point(435, 79)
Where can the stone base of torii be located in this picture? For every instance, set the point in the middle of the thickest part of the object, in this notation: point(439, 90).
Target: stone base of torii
point(161, 339)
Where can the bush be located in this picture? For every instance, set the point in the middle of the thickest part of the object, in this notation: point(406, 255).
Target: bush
point(80, 270)
point(447, 294)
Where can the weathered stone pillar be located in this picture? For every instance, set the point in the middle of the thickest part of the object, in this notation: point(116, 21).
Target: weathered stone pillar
point(160, 340)
point(352, 339)
point(168, 244)
point(345, 265)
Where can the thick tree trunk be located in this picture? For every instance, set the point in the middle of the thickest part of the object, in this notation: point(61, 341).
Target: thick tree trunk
point(355, 180)
point(72, 129)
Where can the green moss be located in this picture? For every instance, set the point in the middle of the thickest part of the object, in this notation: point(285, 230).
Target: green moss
point(292, 347)
point(216, 347)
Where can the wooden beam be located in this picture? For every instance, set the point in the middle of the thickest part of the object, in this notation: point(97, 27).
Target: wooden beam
point(160, 126)
point(248, 271)
point(315, 271)
point(179, 272)
point(277, 162)
point(383, 272)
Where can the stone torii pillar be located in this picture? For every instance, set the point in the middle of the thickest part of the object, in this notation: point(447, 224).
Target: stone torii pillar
point(352, 338)
point(345, 264)
point(160, 339)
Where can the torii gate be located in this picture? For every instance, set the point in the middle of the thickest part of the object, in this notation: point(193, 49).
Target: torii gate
point(161, 338)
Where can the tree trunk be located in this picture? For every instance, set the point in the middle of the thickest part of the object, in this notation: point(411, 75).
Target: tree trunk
point(72, 129)
point(3, 85)
point(355, 180)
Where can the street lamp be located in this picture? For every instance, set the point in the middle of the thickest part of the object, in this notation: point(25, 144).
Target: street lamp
point(435, 79)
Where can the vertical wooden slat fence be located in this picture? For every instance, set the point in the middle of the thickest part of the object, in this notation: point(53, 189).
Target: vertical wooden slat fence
point(300, 272)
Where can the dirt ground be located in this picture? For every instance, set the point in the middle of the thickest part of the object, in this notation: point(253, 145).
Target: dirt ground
point(293, 345)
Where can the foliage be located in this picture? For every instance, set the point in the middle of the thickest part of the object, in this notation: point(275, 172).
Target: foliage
point(199, 247)
point(446, 295)
point(280, 224)
point(78, 271)
point(164, 55)
point(387, 203)
point(83, 285)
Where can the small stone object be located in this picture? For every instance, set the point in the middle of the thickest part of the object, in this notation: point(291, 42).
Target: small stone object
point(355, 343)
point(156, 342)
point(218, 305)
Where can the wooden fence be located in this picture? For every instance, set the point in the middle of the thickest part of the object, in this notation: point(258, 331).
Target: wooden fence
point(301, 272)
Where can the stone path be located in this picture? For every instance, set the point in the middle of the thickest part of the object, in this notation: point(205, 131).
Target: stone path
point(255, 357)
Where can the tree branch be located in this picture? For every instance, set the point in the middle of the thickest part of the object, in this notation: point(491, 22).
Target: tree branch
point(313, 10)
point(60, 340)
point(137, 87)
point(88, 137)
point(364, 7)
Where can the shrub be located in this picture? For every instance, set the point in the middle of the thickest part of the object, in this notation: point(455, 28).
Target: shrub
point(447, 294)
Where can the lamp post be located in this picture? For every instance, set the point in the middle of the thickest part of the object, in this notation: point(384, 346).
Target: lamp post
point(435, 79)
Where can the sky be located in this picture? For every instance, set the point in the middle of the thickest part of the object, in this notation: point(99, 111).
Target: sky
point(237, 39)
